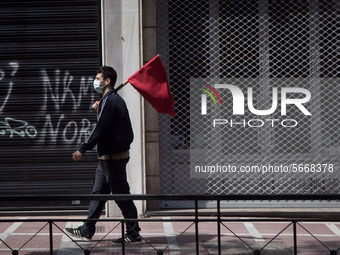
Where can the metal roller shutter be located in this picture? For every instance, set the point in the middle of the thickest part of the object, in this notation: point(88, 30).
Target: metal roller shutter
point(50, 51)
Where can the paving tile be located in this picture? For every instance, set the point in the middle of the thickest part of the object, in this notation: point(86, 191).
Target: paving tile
point(240, 248)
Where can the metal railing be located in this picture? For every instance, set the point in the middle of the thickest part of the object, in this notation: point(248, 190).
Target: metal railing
point(195, 220)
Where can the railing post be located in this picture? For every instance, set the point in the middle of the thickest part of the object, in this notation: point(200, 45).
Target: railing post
point(51, 236)
point(219, 226)
point(123, 239)
point(295, 237)
point(196, 227)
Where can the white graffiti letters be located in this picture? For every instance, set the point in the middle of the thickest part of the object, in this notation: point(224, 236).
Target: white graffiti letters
point(67, 132)
point(14, 66)
point(14, 127)
point(61, 93)
point(62, 99)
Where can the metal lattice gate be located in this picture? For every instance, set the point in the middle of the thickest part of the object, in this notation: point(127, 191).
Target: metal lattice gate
point(273, 41)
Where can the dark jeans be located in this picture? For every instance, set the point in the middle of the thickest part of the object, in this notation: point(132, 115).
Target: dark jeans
point(111, 178)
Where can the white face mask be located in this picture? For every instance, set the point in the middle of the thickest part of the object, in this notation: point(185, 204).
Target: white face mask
point(97, 87)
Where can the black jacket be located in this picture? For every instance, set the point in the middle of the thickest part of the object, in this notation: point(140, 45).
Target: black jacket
point(113, 132)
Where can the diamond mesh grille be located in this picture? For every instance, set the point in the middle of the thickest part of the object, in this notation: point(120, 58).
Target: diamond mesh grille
point(230, 39)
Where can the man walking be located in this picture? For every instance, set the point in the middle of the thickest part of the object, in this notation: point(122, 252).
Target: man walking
point(113, 135)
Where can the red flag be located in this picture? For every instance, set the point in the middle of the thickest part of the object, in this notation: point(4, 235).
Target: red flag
point(152, 83)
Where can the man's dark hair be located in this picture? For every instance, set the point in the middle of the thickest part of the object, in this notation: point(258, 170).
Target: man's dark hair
point(108, 72)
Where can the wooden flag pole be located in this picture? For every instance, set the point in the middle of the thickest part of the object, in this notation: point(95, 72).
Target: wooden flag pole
point(122, 85)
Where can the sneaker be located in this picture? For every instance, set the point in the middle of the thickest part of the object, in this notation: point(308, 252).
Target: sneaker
point(128, 239)
point(76, 232)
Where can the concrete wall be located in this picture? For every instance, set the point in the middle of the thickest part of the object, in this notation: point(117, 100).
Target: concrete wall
point(151, 116)
point(130, 41)
point(122, 40)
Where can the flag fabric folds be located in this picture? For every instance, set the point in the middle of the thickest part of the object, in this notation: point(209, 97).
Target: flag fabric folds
point(152, 83)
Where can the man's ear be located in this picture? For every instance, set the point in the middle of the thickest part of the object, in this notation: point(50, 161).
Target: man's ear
point(108, 81)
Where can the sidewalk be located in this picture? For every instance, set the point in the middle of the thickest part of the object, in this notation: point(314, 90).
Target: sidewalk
point(159, 235)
